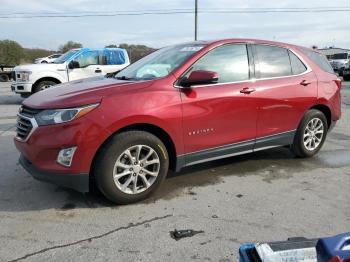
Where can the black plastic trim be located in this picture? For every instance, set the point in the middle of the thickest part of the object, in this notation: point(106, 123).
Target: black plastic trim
point(78, 182)
point(281, 139)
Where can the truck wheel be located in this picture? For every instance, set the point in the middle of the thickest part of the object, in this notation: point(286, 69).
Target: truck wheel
point(4, 78)
point(310, 134)
point(42, 85)
point(131, 166)
point(346, 78)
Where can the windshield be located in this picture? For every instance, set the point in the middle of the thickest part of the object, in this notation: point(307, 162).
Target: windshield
point(340, 56)
point(63, 58)
point(160, 63)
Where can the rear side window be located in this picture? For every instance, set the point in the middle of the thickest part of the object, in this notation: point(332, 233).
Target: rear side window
point(114, 57)
point(273, 61)
point(229, 61)
point(298, 67)
point(319, 59)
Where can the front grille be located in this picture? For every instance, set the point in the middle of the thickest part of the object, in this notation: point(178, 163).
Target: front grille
point(24, 127)
point(26, 122)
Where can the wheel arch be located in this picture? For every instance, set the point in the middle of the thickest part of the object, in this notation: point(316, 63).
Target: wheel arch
point(150, 128)
point(53, 79)
point(326, 111)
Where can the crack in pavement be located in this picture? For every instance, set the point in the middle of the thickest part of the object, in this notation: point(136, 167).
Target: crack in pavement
point(89, 239)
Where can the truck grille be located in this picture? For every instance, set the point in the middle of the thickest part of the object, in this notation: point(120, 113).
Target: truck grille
point(26, 123)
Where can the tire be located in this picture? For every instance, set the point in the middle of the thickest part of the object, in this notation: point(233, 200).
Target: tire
point(302, 145)
point(4, 78)
point(44, 62)
point(113, 159)
point(42, 85)
point(346, 78)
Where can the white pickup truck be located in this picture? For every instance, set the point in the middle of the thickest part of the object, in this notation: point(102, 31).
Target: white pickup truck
point(73, 65)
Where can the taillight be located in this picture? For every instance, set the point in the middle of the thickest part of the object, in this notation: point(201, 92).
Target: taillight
point(338, 82)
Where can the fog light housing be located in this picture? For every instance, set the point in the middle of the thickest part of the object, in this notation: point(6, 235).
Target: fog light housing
point(65, 156)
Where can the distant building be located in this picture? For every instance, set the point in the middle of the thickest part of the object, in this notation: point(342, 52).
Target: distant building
point(331, 51)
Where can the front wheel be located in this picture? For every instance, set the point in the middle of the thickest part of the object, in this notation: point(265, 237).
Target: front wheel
point(310, 134)
point(131, 166)
point(42, 85)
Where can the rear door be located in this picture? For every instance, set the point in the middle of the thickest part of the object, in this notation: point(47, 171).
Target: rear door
point(219, 120)
point(285, 89)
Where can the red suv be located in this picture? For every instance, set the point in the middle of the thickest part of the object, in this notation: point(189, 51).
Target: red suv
point(179, 106)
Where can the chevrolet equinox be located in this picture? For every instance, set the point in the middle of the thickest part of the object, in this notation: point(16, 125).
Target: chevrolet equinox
point(179, 106)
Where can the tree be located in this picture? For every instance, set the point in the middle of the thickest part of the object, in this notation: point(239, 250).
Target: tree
point(111, 46)
point(10, 52)
point(136, 51)
point(68, 46)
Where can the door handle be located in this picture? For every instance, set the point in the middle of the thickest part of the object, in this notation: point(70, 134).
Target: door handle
point(247, 90)
point(305, 83)
point(98, 70)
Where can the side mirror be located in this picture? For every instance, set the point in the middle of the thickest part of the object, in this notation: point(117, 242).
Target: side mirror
point(73, 64)
point(200, 77)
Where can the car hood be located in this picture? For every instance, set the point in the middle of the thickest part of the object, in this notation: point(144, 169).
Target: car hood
point(81, 92)
point(41, 67)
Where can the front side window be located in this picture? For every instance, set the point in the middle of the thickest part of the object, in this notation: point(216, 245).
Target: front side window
point(88, 58)
point(273, 61)
point(229, 61)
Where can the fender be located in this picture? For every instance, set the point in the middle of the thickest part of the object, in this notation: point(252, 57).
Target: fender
point(175, 135)
point(59, 75)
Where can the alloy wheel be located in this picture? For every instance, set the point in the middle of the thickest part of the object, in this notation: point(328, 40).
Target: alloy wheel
point(136, 169)
point(313, 134)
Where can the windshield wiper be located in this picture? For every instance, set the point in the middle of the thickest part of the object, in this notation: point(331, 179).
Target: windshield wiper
point(124, 78)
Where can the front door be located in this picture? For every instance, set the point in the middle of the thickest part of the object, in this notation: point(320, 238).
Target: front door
point(220, 119)
point(89, 66)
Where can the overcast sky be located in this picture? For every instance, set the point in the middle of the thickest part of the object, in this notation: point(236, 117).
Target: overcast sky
point(321, 29)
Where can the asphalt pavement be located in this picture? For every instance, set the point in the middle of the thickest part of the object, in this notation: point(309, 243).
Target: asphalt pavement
point(265, 196)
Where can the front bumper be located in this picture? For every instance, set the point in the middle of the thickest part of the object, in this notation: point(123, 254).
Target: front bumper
point(21, 88)
point(79, 182)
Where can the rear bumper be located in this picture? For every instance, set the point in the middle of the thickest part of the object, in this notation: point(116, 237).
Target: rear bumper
point(78, 182)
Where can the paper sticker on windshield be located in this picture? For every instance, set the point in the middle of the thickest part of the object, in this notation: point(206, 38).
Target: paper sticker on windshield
point(191, 48)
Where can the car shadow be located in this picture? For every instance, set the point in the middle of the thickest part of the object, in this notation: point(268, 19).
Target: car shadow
point(26, 194)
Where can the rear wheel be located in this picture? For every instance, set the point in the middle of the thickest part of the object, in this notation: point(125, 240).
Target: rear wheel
point(310, 134)
point(42, 85)
point(131, 166)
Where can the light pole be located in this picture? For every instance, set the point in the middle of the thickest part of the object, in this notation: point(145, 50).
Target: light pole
point(195, 19)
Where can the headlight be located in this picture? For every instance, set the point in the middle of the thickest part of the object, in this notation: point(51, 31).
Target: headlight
point(24, 76)
point(57, 116)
